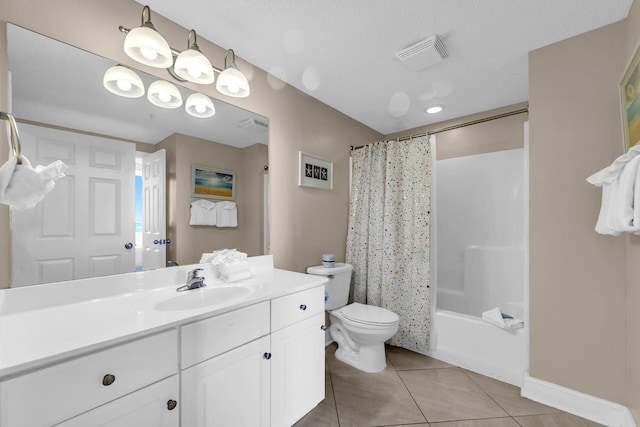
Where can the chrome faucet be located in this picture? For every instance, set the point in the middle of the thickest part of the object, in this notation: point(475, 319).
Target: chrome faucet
point(193, 281)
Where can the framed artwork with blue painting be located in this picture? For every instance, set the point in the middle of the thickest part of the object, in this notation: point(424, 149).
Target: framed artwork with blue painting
point(212, 183)
point(314, 172)
point(630, 101)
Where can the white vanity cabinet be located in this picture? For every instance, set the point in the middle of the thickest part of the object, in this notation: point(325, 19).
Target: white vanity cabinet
point(53, 394)
point(153, 406)
point(226, 380)
point(256, 363)
point(297, 362)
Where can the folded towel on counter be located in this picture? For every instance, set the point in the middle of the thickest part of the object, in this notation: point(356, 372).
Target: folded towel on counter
point(228, 264)
point(203, 212)
point(22, 187)
point(227, 214)
point(234, 271)
point(504, 321)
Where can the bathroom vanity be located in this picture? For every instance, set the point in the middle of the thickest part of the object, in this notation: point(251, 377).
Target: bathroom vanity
point(128, 350)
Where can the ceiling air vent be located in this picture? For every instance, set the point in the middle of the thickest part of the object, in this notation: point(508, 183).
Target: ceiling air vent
point(254, 125)
point(423, 54)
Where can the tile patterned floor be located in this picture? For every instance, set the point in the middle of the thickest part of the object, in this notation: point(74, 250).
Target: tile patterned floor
point(419, 391)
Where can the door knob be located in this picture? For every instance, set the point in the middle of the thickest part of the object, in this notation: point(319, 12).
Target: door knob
point(128, 245)
point(171, 404)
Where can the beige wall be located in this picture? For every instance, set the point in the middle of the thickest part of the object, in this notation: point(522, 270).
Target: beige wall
point(5, 236)
point(304, 222)
point(189, 242)
point(495, 135)
point(577, 277)
point(633, 267)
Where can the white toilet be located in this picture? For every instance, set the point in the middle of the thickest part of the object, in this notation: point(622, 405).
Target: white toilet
point(359, 330)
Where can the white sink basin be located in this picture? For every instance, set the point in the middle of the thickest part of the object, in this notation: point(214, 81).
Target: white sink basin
point(203, 297)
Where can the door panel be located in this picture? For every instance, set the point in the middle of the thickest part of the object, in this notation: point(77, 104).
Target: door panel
point(81, 227)
point(154, 167)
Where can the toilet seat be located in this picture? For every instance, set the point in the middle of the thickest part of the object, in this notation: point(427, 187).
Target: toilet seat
point(369, 314)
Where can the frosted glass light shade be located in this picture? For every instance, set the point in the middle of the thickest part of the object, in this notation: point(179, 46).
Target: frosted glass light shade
point(147, 46)
point(164, 94)
point(193, 66)
point(232, 82)
point(200, 105)
point(123, 81)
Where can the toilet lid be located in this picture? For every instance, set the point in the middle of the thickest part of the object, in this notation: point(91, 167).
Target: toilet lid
point(369, 314)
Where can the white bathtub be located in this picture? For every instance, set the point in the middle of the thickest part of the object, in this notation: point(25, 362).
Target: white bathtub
point(473, 344)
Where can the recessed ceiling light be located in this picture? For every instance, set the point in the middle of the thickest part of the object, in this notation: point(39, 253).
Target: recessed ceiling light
point(435, 109)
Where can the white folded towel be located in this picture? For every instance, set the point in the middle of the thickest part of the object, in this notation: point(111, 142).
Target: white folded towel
point(495, 317)
point(234, 271)
point(227, 214)
point(22, 187)
point(203, 212)
point(231, 260)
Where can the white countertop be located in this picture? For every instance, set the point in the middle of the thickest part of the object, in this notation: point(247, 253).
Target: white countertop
point(47, 323)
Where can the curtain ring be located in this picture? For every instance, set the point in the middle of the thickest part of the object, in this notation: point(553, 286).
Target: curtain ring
point(14, 140)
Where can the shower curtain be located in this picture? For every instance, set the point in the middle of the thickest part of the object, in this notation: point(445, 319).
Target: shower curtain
point(388, 234)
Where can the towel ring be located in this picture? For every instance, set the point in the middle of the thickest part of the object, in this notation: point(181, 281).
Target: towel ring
point(14, 140)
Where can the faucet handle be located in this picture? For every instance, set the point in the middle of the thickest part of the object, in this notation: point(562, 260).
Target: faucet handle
point(194, 273)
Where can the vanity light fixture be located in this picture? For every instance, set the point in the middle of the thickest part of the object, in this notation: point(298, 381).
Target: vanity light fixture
point(231, 81)
point(200, 105)
point(192, 65)
point(145, 45)
point(164, 94)
point(123, 81)
point(434, 109)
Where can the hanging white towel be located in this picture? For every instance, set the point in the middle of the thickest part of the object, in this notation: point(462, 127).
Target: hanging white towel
point(203, 212)
point(22, 187)
point(620, 206)
point(227, 214)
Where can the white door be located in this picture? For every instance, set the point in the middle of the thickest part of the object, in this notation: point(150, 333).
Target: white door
point(154, 253)
point(229, 390)
point(153, 406)
point(85, 227)
point(297, 370)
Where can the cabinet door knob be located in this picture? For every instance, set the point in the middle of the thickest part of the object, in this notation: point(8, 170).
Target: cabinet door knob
point(267, 356)
point(303, 307)
point(324, 327)
point(171, 404)
point(108, 379)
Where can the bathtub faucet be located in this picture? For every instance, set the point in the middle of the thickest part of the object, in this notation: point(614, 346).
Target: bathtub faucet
point(193, 281)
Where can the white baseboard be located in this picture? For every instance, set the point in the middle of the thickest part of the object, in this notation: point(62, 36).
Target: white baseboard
point(574, 402)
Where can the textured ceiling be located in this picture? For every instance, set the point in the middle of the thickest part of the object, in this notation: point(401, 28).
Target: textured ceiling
point(342, 52)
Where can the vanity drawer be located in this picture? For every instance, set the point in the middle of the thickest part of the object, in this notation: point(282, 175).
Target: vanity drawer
point(207, 338)
point(51, 395)
point(293, 308)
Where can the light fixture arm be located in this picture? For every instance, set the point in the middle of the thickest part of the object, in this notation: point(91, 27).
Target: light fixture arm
point(233, 60)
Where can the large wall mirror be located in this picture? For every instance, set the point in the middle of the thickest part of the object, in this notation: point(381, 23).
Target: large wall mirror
point(64, 112)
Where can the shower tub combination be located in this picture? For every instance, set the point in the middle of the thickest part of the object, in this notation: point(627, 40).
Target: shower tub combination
point(479, 262)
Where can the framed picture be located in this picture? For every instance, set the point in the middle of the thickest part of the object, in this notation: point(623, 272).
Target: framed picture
point(314, 172)
point(630, 101)
point(212, 183)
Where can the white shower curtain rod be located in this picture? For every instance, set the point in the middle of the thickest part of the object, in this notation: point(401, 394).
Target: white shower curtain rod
point(460, 125)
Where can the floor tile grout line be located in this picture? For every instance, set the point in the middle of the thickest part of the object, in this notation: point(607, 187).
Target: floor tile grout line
point(413, 398)
point(487, 393)
point(333, 392)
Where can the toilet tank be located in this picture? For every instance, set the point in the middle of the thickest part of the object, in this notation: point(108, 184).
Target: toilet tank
point(339, 283)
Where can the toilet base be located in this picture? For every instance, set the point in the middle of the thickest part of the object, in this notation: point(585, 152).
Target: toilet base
point(368, 358)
